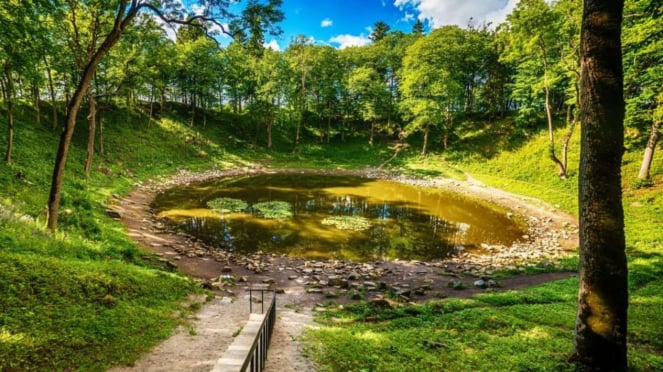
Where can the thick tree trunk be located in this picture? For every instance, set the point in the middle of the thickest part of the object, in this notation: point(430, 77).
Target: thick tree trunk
point(10, 113)
point(92, 120)
point(121, 21)
point(649, 152)
point(600, 334)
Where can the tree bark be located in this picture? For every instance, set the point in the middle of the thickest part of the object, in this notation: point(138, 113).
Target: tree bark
point(92, 120)
point(649, 151)
point(35, 93)
point(424, 149)
point(101, 136)
point(569, 135)
point(551, 134)
point(51, 89)
point(343, 129)
point(600, 332)
point(297, 133)
point(270, 123)
point(10, 113)
point(372, 139)
point(122, 19)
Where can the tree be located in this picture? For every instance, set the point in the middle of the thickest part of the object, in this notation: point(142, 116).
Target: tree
point(380, 30)
point(533, 47)
point(367, 87)
point(21, 46)
point(643, 59)
point(123, 13)
point(431, 83)
point(569, 33)
point(600, 333)
point(418, 28)
point(300, 63)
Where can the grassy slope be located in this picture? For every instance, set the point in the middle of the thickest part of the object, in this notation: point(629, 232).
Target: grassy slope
point(530, 329)
point(88, 298)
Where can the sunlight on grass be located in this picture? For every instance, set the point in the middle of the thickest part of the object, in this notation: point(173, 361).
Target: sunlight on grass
point(7, 337)
point(536, 333)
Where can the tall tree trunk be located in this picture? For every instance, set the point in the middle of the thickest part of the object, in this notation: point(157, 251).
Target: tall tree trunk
point(649, 151)
point(162, 98)
point(101, 136)
point(328, 131)
point(92, 120)
point(257, 134)
point(569, 135)
point(10, 113)
point(600, 332)
point(424, 149)
point(371, 141)
point(51, 88)
point(447, 128)
point(343, 129)
point(121, 21)
point(204, 109)
point(295, 143)
point(35, 94)
point(151, 113)
point(193, 113)
point(67, 94)
point(270, 124)
point(551, 134)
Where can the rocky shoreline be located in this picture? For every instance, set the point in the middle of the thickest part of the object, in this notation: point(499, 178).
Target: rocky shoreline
point(551, 236)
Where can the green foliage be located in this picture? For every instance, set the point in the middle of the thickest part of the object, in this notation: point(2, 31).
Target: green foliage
point(528, 329)
point(279, 210)
point(227, 205)
point(87, 297)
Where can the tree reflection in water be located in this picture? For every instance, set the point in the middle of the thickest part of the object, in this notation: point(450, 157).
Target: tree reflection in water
point(404, 221)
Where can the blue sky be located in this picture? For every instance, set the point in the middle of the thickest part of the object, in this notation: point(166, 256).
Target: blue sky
point(342, 23)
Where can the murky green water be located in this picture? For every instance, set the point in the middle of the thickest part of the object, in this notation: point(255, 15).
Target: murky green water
point(343, 217)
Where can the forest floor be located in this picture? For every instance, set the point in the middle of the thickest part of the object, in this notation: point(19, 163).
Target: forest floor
point(306, 287)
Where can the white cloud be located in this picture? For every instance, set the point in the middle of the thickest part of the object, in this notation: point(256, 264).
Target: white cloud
point(197, 9)
point(346, 40)
point(459, 12)
point(408, 17)
point(170, 29)
point(273, 45)
point(326, 22)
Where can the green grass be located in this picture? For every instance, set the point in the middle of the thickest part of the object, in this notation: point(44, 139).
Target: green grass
point(529, 329)
point(88, 298)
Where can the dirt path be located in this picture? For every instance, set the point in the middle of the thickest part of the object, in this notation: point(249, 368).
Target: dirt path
point(197, 347)
point(306, 284)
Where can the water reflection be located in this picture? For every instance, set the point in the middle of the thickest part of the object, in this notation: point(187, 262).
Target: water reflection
point(404, 222)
